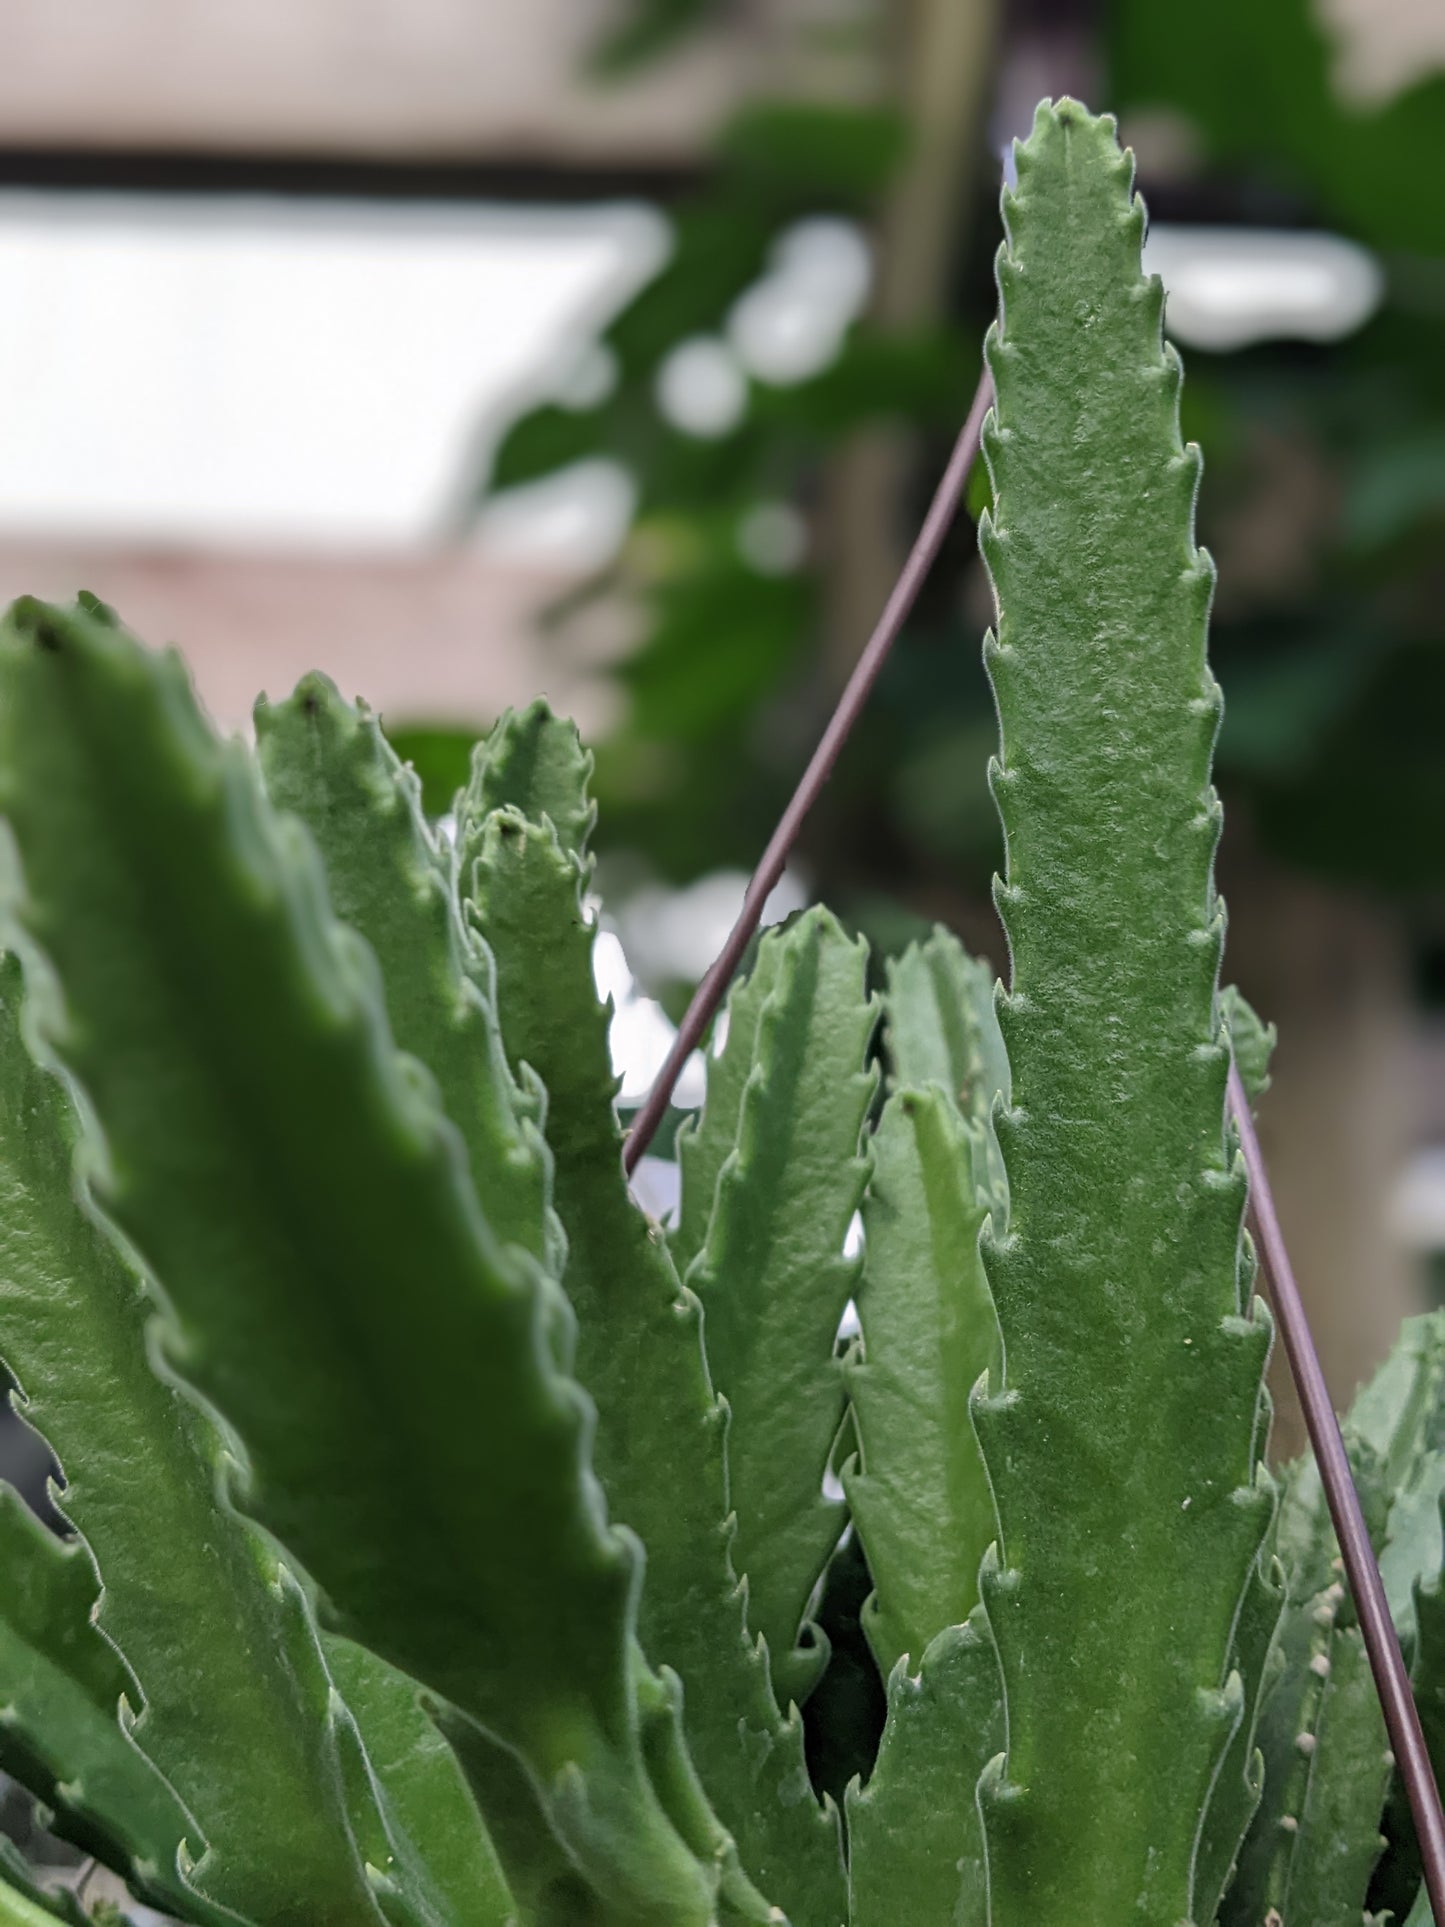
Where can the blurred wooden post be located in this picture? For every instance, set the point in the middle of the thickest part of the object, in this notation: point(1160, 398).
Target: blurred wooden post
point(943, 64)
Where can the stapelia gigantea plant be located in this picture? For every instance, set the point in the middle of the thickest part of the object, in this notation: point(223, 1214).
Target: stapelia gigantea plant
point(447, 1535)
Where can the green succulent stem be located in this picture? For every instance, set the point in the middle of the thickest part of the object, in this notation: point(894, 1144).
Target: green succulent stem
point(1121, 1439)
point(17, 1911)
point(660, 1441)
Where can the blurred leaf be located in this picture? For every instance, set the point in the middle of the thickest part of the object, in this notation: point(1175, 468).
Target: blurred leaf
point(942, 797)
point(818, 149)
point(719, 248)
point(546, 439)
point(650, 27)
point(1209, 411)
point(702, 806)
point(978, 496)
point(1398, 485)
point(777, 163)
point(1278, 706)
point(924, 378)
point(1370, 804)
point(927, 378)
point(721, 639)
point(664, 1138)
point(679, 474)
point(441, 755)
point(1257, 83)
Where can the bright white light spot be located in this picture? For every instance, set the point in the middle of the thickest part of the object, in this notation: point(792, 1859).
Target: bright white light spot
point(640, 1038)
point(576, 519)
point(781, 336)
point(641, 1033)
point(1382, 47)
point(1228, 287)
point(670, 935)
point(790, 325)
point(610, 972)
point(1418, 1209)
point(673, 935)
point(590, 379)
point(657, 1187)
point(701, 389)
point(853, 1241)
point(773, 538)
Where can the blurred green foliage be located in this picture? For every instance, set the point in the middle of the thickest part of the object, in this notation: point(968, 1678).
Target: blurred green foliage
point(1324, 498)
point(1335, 674)
point(649, 28)
point(441, 755)
point(1259, 86)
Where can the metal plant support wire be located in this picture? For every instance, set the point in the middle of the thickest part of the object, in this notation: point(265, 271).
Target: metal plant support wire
point(1387, 1663)
point(1402, 1718)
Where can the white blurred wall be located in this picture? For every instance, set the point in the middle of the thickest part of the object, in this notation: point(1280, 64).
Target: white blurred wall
point(252, 425)
point(414, 78)
point(444, 636)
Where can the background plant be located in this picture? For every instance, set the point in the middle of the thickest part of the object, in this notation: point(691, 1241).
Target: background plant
point(1324, 652)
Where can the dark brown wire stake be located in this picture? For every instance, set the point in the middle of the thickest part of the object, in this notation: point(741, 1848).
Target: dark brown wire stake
point(1387, 1663)
point(709, 993)
point(1402, 1720)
